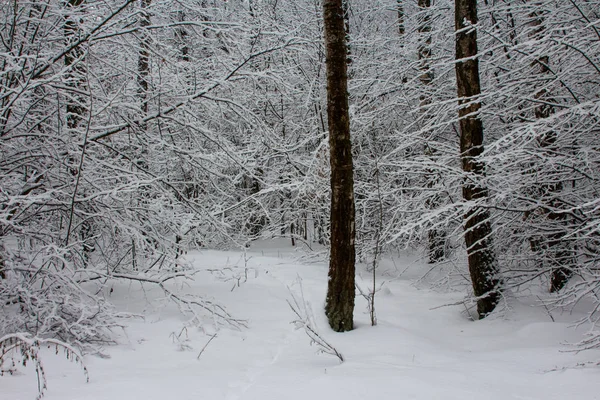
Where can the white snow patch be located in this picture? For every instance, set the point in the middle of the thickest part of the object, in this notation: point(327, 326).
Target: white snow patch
point(417, 351)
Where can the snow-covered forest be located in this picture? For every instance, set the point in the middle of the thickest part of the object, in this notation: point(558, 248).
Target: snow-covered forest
point(139, 136)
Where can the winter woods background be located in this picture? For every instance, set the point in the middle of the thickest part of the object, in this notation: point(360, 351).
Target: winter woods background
point(132, 131)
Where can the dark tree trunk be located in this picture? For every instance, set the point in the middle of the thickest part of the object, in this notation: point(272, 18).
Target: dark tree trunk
point(144, 56)
point(182, 36)
point(483, 266)
point(436, 237)
point(339, 305)
point(2, 266)
point(558, 252)
point(400, 7)
point(346, 8)
point(76, 110)
point(75, 76)
point(424, 48)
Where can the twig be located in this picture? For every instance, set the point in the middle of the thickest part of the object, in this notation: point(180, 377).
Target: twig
point(304, 321)
point(206, 345)
point(546, 307)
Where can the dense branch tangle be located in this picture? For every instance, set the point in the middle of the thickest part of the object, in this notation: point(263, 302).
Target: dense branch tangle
point(205, 124)
point(90, 183)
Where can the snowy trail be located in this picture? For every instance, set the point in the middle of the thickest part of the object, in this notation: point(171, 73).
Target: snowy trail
point(415, 353)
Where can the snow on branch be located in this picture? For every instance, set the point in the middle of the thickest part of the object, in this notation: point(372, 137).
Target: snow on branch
point(305, 321)
point(26, 347)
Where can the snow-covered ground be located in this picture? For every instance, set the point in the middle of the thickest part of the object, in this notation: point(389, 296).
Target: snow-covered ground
point(418, 350)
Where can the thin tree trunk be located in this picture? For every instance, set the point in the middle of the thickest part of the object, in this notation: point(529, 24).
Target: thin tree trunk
point(483, 266)
point(2, 265)
point(400, 8)
point(436, 237)
point(183, 40)
point(339, 305)
point(76, 110)
point(558, 252)
point(75, 76)
point(182, 35)
point(424, 48)
point(144, 56)
point(346, 8)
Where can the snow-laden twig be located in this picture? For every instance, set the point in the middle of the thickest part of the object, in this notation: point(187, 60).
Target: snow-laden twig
point(27, 347)
point(304, 321)
point(188, 303)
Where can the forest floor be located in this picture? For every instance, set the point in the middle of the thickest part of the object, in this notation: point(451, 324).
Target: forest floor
point(418, 350)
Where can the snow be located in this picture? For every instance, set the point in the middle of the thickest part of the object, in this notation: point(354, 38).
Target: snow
point(418, 350)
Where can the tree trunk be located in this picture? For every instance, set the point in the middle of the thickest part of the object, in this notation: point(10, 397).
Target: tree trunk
point(76, 109)
point(559, 253)
point(182, 37)
point(75, 76)
point(424, 48)
point(144, 56)
point(2, 265)
point(436, 237)
point(339, 305)
point(400, 8)
point(346, 8)
point(483, 266)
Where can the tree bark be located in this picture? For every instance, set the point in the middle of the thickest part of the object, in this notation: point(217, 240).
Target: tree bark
point(182, 37)
point(436, 237)
point(76, 110)
point(346, 8)
point(400, 8)
point(75, 76)
point(144, 56)
point(2, 265)
point(559, 254)
point(424, 48)
point(339, 305)
point(483, 266)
